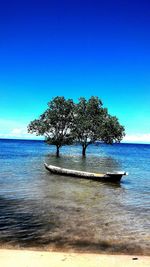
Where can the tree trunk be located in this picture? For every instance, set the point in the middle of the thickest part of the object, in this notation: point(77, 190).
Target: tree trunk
point(57, 151)
point(84, 150)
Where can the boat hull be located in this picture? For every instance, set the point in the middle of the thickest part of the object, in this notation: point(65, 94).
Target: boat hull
point(106, 177)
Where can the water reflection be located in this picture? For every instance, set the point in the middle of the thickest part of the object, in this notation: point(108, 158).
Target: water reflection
point(90, 163)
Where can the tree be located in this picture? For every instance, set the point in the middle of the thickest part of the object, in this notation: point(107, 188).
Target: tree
point(88, 117)
point(92, 123)
point(112, 131)
point(55, 123)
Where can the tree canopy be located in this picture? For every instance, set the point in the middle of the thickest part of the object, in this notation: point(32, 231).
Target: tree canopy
point(93, 123)
point(55, 123)
point(85, 122)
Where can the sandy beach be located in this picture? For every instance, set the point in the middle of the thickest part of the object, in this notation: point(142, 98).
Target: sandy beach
point(25, 258)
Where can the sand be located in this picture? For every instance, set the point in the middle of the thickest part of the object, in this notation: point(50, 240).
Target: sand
point(25, 258)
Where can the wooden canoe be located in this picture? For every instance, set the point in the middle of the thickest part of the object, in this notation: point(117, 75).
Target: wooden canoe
point(108, 176)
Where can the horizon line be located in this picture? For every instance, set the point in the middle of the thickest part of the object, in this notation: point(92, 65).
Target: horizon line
point(122, 142)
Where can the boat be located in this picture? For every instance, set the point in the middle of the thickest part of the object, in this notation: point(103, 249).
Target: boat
point(106, 177)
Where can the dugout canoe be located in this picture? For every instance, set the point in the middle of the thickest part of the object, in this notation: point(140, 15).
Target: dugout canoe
point(108, 176)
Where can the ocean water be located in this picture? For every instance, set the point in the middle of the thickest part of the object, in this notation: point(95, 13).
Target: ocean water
point(44, 211)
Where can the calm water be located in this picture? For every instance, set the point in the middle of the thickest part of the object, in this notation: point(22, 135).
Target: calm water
point(40, 210)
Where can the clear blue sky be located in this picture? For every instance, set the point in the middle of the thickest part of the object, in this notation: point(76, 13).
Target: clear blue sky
point(75, 48)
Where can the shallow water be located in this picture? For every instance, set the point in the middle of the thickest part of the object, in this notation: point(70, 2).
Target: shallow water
point(41, 210)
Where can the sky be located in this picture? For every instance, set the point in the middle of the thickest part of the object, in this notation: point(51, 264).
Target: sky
point(75, 48)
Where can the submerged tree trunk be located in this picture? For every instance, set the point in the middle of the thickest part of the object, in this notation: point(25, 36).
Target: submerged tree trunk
point(84, 150)
point(57, 151)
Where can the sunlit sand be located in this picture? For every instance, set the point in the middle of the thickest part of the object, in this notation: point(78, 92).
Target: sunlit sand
point(24, 258)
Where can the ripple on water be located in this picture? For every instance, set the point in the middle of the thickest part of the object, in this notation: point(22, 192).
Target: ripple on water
point(41, 210)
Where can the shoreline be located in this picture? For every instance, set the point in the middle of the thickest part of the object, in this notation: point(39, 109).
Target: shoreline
point(31, 258)
point(77, 250)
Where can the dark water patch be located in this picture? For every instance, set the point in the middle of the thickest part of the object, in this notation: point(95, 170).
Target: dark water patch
point(107, 247)
point(18, 225)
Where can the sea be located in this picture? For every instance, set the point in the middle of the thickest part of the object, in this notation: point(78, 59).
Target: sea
point(42, 211)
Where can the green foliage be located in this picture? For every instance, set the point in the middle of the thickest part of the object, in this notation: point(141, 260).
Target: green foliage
point(87, 117)
point(55, 123)
point(85, 122)
point(92, 122)
point(112, 131)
